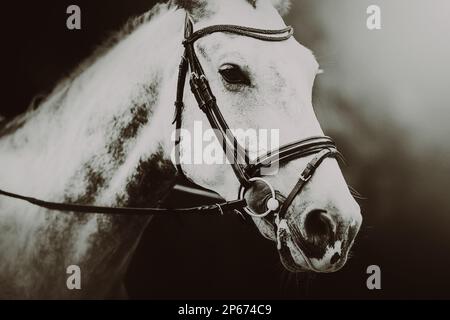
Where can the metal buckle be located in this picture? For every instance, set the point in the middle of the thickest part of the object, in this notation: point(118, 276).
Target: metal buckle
point(275, 204)
point(194, 76)
point(305, 179)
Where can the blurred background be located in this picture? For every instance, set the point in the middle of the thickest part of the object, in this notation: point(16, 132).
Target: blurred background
point(384, 96)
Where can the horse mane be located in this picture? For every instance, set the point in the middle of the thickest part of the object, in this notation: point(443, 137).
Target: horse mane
point(115, 37)
point(10, 125)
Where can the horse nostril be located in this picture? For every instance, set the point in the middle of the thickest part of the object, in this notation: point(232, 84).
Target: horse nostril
point(335, 258)
point(319, 227)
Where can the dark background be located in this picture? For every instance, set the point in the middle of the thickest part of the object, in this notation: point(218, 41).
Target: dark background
point(402, 170)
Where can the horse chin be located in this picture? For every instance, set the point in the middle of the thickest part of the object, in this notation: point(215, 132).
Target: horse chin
point(293, 261)
point(289, 264)
point(286, 248)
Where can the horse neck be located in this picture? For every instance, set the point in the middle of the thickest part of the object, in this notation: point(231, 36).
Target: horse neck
point(88, 143)
point(100, 118)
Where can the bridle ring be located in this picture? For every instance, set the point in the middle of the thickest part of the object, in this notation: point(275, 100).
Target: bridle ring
point(272, 204)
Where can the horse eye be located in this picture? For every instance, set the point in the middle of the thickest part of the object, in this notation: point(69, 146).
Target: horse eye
point(233, 74)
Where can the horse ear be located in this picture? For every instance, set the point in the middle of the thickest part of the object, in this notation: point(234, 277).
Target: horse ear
point(283, 6)
point(196, 8)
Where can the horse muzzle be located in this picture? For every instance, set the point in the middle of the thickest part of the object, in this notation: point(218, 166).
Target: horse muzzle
point(311, 233)
point(317, 243)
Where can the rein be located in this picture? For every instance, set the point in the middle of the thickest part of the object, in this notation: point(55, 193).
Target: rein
point(247, 173)
point(215, 208)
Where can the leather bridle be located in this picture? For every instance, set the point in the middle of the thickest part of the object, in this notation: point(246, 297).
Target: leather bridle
point(246, 172)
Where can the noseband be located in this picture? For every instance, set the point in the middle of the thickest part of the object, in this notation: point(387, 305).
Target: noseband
point(246, 172)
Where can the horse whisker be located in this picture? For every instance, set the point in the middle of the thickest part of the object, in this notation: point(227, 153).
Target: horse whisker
point(355, 193)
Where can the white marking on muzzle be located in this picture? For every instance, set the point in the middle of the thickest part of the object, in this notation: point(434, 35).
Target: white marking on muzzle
point(281, 225)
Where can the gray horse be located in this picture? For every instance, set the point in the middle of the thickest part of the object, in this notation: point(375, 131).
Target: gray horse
point(104, 137)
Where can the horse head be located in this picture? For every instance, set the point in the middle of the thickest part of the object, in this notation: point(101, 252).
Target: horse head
point(104, 137)
point(268, 85)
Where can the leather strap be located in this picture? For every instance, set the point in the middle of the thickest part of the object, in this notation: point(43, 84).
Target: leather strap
point(88, 209)
point(259, 34)
point(306, 174)
point(292, 151)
